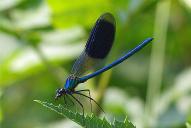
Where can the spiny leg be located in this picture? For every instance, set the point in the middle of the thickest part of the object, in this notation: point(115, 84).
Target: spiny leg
point(78, 103)
point(86, 90)
point(89, 98)
point(70, 100)
point(65, 102)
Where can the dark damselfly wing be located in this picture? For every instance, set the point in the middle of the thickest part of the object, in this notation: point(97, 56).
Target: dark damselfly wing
point(98, 45)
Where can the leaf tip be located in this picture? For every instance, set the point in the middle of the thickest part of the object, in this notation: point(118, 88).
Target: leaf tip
point(38, 101)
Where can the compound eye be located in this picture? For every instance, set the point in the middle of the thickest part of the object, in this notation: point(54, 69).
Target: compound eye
point(59, 93)
point(58, 90)
point(61, 90)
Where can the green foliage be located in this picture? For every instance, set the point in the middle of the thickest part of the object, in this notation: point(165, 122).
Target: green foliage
point(39, 41)
point(188, 125)
point(77, 12)
point(86, 121)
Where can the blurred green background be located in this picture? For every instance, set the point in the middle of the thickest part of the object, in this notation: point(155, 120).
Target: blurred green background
point(40, 40)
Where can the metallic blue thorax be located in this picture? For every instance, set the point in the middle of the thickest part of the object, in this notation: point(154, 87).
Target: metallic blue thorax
point(71, 83)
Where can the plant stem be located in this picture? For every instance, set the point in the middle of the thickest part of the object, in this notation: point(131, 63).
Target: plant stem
point(157, 59)
point(102, 85)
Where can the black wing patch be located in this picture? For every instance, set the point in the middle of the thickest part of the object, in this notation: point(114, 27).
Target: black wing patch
point(101, 37)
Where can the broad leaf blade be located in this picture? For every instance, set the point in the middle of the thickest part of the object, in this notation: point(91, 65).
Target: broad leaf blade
point(88, 121)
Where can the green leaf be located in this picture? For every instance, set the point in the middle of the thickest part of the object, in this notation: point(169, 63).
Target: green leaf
point(88, 121)
point(188, 125)
point(84, 12)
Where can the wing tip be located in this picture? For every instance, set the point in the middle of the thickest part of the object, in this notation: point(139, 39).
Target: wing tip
point(107, 16)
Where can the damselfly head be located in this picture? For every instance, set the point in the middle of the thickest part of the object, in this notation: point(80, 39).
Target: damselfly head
point(60, 92)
